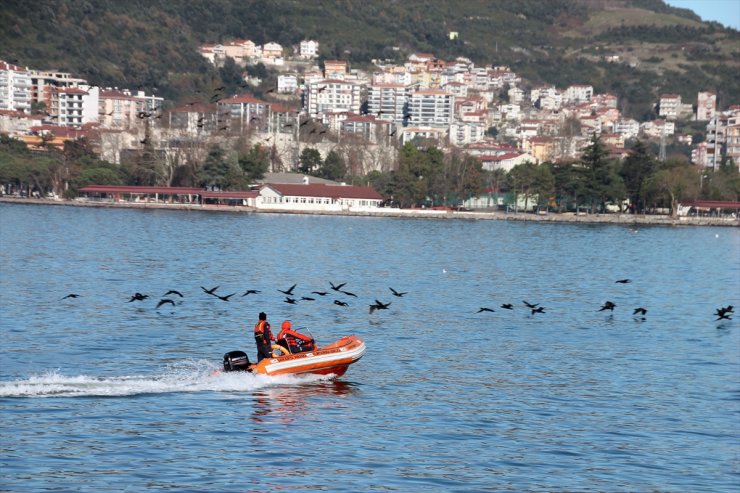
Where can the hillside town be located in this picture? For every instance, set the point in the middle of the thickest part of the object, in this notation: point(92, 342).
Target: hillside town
point(488, 112)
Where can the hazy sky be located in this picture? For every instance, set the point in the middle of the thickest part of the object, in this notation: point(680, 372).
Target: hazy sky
point(726, 12)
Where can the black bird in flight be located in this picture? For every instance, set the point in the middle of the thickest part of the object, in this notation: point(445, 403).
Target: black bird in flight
point(348, 293)
point(607, 306)
point(723, 313)
point(138, 297)
point(172, 291)
point(396, 293)
point(71, 295)
point(251, 291)
point(378, 305)
point(307, 298)
point(288, 291)
point(624, 281)
point(224, 298)
point(484, 309)
point(165, 301)
point(209, 291)
point(540, 309)
point(338, 287)
point(530, 305)
point(289, 300)
point(724, 310)
point(639, 311)
point(320, 293)
point(340, 303)
point(507, 306)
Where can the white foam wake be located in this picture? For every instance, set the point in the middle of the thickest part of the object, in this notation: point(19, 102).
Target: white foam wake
point(185, 377)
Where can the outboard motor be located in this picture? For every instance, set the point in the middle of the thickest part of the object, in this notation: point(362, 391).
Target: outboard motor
point(236, 361)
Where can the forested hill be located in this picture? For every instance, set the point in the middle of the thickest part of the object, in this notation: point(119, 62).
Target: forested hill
point(154, 43)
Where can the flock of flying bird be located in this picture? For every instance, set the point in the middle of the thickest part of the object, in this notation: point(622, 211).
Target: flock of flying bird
point(722, 313)
point(291, 298)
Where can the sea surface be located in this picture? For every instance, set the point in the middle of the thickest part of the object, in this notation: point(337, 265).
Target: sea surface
point(98, 393)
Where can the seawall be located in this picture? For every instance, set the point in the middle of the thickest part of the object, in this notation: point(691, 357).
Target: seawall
point(624, 219)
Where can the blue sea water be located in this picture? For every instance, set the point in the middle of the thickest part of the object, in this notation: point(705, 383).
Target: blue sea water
point(101, 394)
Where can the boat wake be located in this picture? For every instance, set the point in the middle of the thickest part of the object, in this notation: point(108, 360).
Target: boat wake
point(188, 376)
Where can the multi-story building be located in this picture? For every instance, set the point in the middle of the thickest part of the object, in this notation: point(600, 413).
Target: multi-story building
point(119, 109)
point(335, 69)
point(732, 139)
point(464, 133)
point(308, 48)
point(45, 85)
point(246, 111)
point(287, 84)
point(15, 88)
point(332, 95)
point(546, 98)
point(241, 50)
point(706, 106)
point(669, 106)
point(627, 127)
point(431, 108)
point(387, 101)
point(578, 94)
point(272, 51)
point(73, 107)
point(366, 126)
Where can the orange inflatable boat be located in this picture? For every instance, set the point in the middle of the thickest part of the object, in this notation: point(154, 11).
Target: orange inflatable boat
point(333, 359)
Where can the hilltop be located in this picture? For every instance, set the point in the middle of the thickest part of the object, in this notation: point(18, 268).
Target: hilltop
point(635, 49)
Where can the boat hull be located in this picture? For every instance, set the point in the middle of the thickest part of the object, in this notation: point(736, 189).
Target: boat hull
point(333, 359)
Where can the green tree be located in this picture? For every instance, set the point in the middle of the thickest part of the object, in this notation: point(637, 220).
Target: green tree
point(254, 163)
point(531, 180)
point(636, 168)
point(309, 160)
point(216, 171)
point(333, 167)
point(603, 181)
point(671, 185)
point(723, 184)
point(570, 184)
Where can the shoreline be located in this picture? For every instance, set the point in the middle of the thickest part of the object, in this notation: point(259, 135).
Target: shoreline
point(566, 217)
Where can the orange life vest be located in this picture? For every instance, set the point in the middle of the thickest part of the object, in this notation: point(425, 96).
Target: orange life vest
point(262, 332)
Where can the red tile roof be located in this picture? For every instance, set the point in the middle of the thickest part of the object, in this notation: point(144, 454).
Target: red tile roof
point(147, 190)
point(322, 190)
point(250, 194)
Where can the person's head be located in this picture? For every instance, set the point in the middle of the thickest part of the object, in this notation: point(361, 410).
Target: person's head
point(286, 325)
point(263, 316)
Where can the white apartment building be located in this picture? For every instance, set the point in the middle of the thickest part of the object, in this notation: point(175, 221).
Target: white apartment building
point(71, 107)
point(546, 98)
point(331, 96)
point(287, 84)
point(516, 95)
point(706, 106)
point(431, 108)
point(578, 93)
point(15, 88)
point(308, 48)
point(629, 128)
point(387, 101)
point(466, 133)
point(669, 105)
